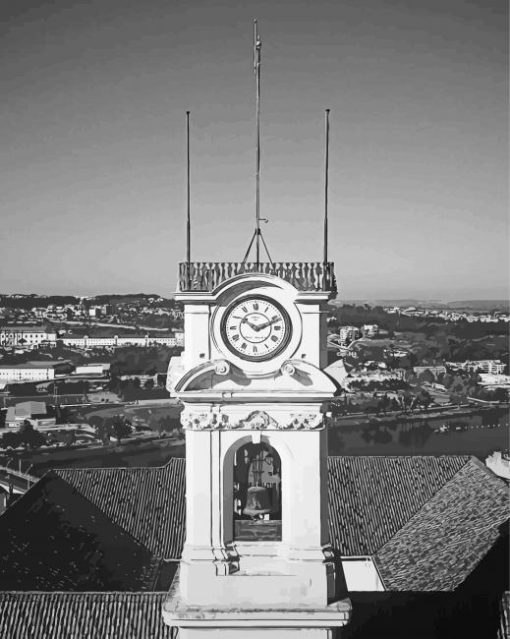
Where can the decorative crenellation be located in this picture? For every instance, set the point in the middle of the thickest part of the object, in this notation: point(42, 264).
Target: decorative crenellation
point(305, 276)
point(214, 419)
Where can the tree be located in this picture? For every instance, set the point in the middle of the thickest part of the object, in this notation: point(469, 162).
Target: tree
point(424, 398)
point(119, 427)
point(10, 440)
point(426, 377)
point(149, 384)
point(102, 431)
point(30, 437)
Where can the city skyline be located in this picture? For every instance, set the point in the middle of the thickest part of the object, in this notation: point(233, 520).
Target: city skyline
point(93, 132)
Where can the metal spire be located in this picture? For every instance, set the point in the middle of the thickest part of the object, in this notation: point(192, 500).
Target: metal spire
point(188, 203)
point(257, 48)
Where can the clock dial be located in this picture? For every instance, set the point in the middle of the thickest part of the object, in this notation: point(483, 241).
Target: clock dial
point(256, 328)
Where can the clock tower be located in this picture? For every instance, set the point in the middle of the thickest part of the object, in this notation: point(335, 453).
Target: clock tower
point(256, 560)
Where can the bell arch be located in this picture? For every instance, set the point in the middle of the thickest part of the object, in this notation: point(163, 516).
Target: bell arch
point(262, 513)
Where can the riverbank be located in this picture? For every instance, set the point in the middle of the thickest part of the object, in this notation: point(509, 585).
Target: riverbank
point(437, 413)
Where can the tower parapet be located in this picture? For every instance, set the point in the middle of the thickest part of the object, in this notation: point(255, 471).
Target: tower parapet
point(304, 276)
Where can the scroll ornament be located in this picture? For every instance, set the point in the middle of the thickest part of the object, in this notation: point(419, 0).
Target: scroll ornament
point(255, 420)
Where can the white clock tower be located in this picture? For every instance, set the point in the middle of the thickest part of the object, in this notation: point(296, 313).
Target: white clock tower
point(256, 560)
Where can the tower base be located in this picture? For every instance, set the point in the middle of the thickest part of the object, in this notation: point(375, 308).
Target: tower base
point(264, 622)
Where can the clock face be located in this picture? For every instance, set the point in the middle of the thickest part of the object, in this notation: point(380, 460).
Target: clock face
point(256, 328)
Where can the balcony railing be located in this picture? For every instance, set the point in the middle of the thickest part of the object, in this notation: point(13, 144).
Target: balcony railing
point(305, 276)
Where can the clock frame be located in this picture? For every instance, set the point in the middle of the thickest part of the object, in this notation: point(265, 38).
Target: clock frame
point(255, 299)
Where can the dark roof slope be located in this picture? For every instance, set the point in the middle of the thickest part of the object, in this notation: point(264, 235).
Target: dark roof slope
point(61, 615)
point(54, 539)
point(149, 503)
point(442, 544)
point(371, 498)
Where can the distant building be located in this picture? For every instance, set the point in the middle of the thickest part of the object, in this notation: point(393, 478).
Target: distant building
point(370, 330)
point(496, 381)
point(26, 336)
point(37, 371)
point(34, 412)
point(435, 370)
point(348, 334)
point(124, 340)
point(93, 369)
point(494, 366)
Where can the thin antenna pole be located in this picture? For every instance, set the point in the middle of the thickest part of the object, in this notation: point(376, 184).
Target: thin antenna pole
point(326, 185)
point(188, 204)
point(257, 46)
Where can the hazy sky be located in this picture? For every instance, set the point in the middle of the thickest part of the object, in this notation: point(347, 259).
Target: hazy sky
point(92, 146)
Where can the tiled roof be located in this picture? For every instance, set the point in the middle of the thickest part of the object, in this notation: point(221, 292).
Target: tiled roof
point(54, 539)
point(149, 503)
point(378, 506)
point(66, 615)
point(371, 498)
point(442, 544)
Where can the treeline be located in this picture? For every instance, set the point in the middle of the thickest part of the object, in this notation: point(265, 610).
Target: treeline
point(29, 301)
point(356, 315)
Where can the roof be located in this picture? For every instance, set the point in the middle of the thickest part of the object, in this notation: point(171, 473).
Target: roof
point(371, 498)
point(25, 328)
point(149, 503)
point(61, 615)
point(409, 513)
point(53, 538)
point(444, 541)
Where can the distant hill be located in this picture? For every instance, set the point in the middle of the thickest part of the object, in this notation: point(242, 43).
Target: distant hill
point(472, 305)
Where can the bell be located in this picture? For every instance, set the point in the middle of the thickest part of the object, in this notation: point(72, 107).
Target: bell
point(257, 501)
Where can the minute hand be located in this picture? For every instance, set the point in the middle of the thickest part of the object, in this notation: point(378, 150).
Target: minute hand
point(266, 324)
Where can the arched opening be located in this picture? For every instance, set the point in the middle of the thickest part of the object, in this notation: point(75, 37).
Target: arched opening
point(257, 495)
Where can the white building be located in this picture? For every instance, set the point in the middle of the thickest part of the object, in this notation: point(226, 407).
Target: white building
point(370, 330)
point(496, 381)
point(348, 333)
point(494, 366)
point(125, 340)
point(26, 336)
point(93, 369)
point(34, 412)
point(28, 372)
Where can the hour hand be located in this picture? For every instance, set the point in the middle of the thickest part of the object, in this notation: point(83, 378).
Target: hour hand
point(252, 326)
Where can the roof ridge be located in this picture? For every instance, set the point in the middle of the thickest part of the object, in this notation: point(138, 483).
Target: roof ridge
point(466, 457)
point(78, 593)
point(96, 468)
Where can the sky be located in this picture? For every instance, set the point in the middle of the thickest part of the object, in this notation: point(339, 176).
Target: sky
point(92, 142)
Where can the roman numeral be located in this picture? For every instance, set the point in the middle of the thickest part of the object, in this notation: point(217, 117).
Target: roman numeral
point(274, 338)
point(255, 306)
point(244, 309)
point(255, 349)
point(233, 328)
point(243, 346)
point(277, 328)
point(235, 337)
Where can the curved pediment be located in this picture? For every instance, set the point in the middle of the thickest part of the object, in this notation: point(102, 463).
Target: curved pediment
point(294, 377)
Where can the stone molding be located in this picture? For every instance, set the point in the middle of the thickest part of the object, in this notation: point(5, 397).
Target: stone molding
point(215, 419)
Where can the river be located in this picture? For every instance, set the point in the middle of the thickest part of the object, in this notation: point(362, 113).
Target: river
point(479, 433)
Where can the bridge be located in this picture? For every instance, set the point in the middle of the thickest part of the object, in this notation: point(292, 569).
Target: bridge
point(20, 481)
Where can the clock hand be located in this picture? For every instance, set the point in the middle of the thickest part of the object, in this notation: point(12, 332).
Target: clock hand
point(252, 326)
point(266, 324)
